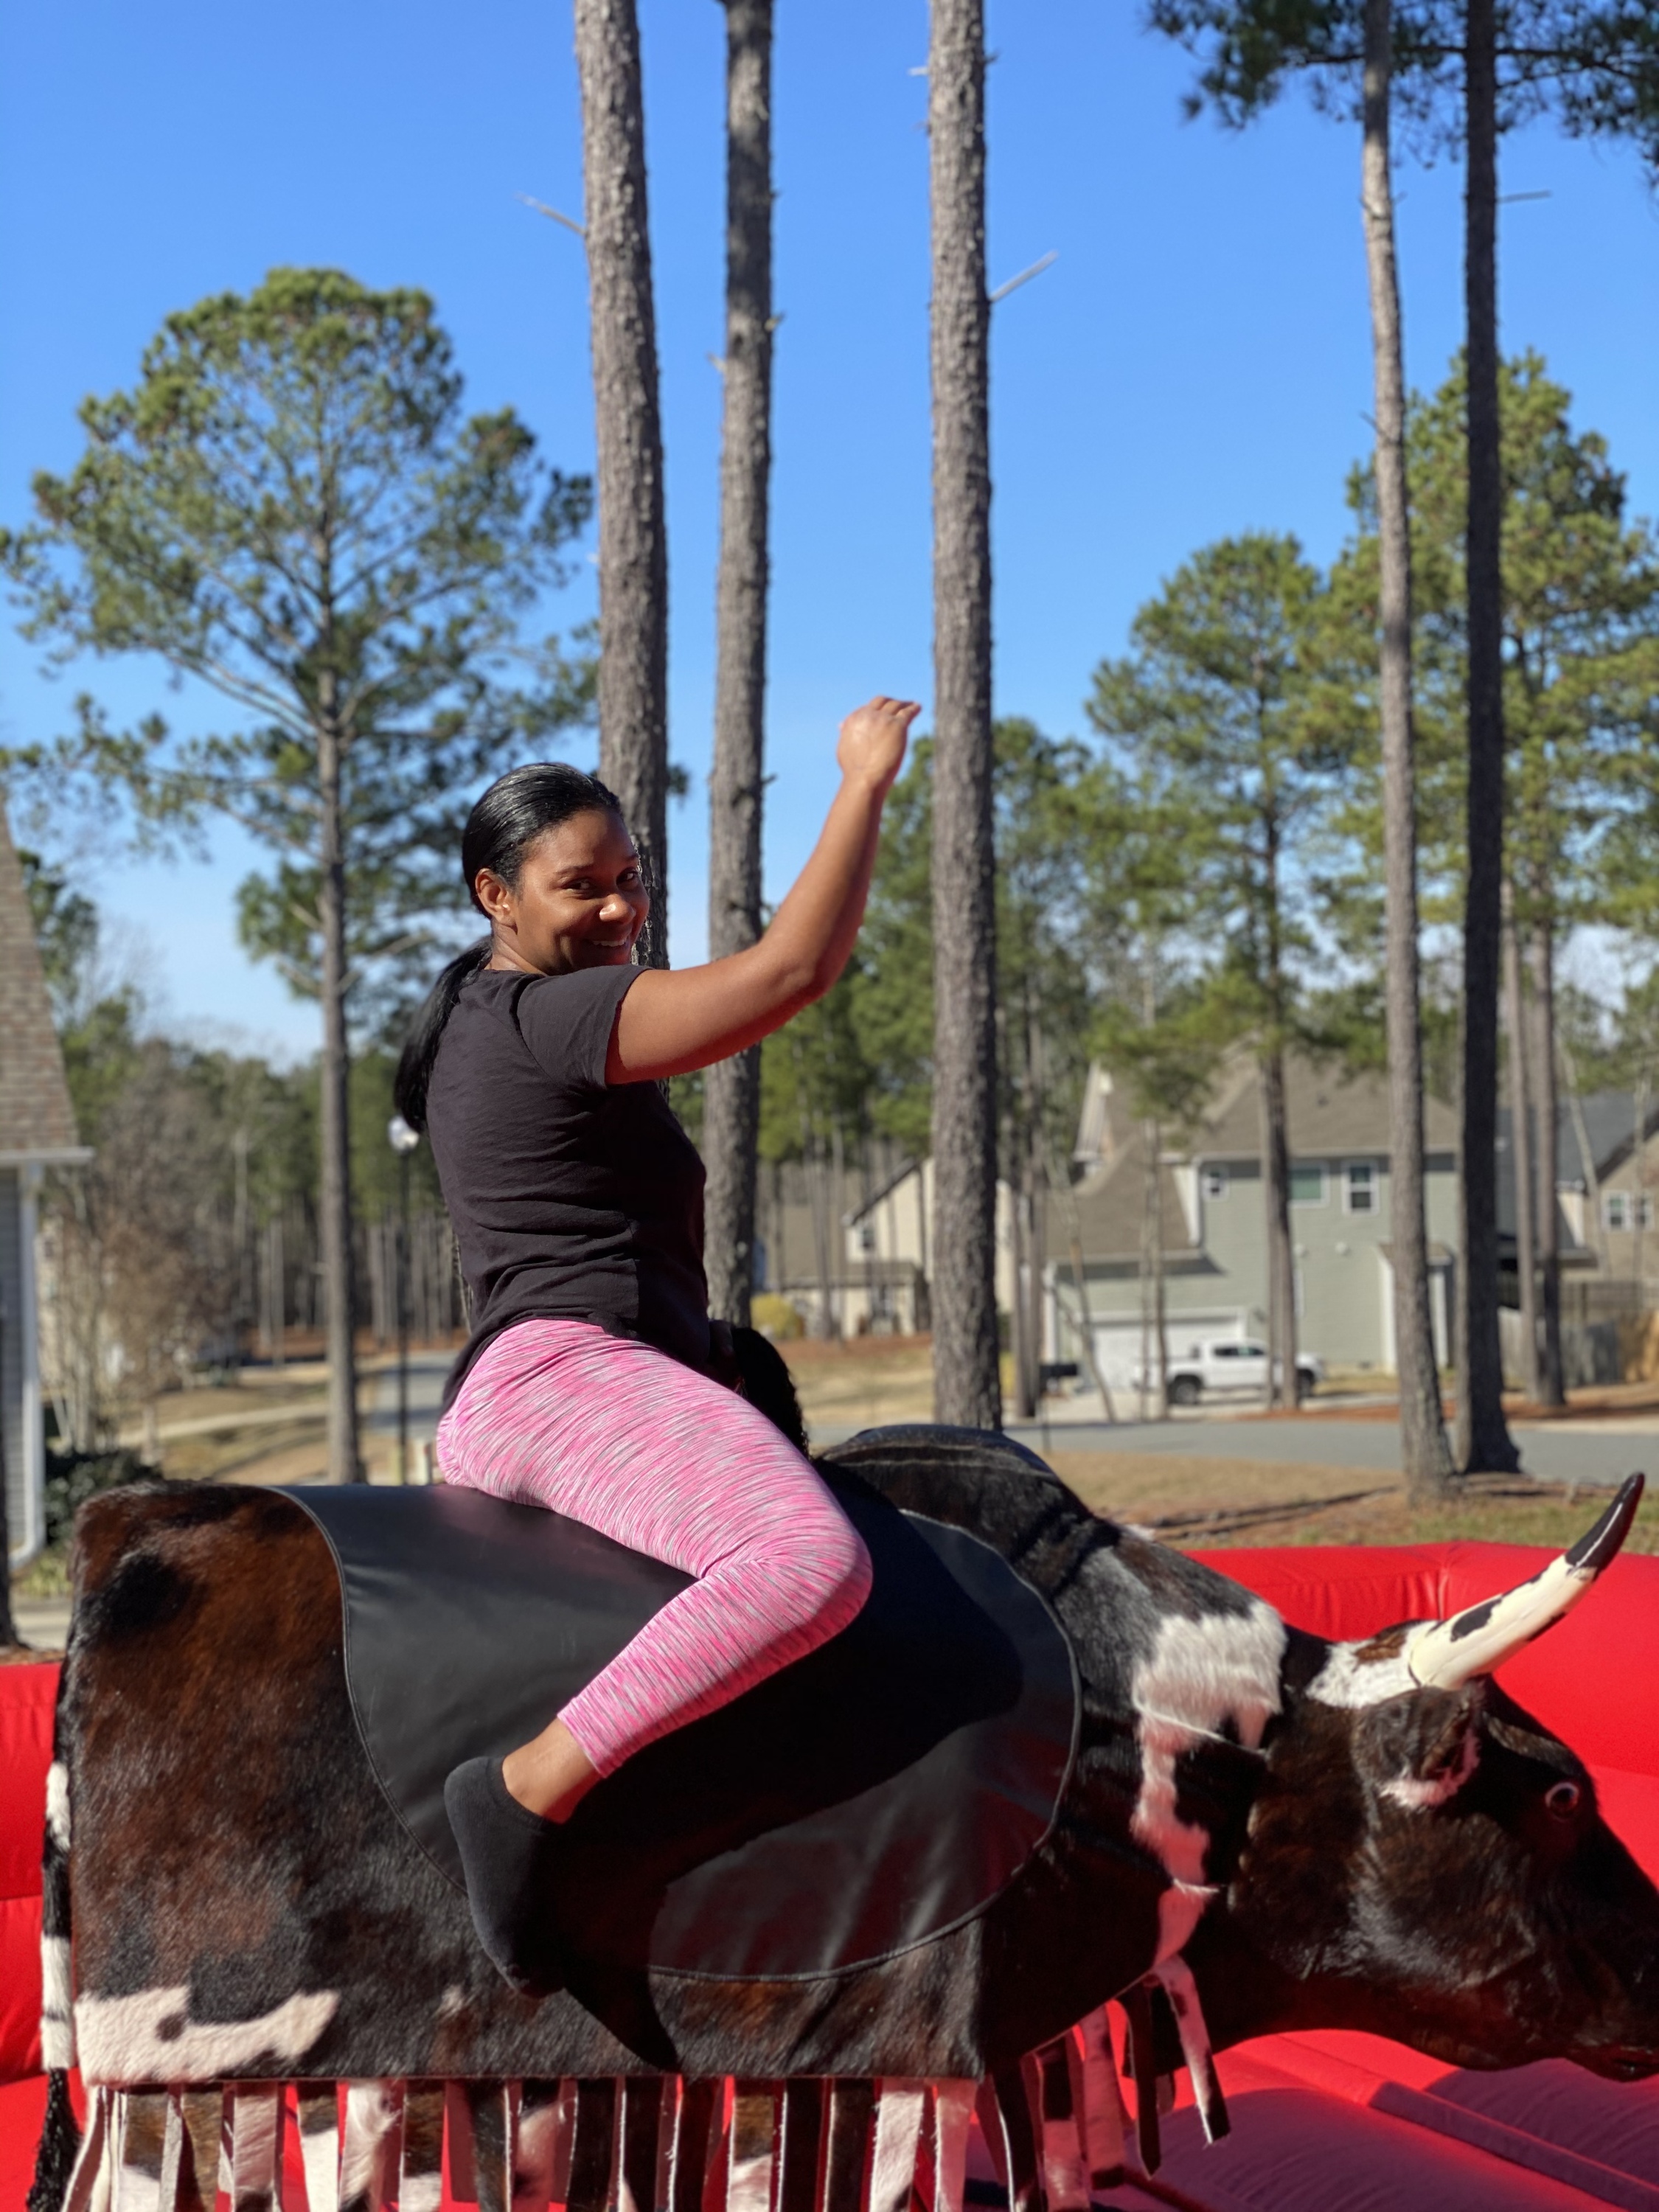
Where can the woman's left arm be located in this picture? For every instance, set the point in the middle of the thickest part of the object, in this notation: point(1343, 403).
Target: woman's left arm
point(673, 1020)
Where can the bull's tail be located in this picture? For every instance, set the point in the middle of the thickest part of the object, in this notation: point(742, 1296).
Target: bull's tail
point(60, 2137)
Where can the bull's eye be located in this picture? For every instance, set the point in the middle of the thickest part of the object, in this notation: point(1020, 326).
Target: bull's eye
point(1562, 1798)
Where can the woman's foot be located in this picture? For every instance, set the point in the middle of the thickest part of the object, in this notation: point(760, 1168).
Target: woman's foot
point(510, 1858)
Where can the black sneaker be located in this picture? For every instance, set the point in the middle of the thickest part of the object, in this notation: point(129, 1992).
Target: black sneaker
point(510, 1857)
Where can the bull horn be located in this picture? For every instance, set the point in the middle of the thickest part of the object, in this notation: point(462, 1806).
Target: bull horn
point(1451, 1652)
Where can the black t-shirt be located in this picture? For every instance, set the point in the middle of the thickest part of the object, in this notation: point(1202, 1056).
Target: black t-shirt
point(569, 1196)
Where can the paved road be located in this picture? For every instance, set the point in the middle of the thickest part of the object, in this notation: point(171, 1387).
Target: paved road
point(1554, 1452)
point(1579, 1451)
point(427, 1374)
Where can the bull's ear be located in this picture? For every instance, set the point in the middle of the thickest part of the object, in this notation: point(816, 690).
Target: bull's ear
point(1419, 1750)
point(1451, 1652)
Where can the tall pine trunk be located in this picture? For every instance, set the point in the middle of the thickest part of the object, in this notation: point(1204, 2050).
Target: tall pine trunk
point(1021, 1150)
point(633, 686)
point(1638, 1191)
point(1275, 1129)
point(1483, 1441)
point(339, 1288)
point(732, 1088)
point(1281, 1259)
point(1595, 1229)
point(1424, 1455)
point(1154, 1328)
point(966, 1388)
point(1037, 1257)
point(1520, 1149)
point(1025, 1404)
point(1547, 1105)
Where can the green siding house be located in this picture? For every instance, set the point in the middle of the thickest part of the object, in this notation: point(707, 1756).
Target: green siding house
point(1214, 1223)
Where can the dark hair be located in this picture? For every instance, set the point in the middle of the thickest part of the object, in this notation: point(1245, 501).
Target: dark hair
point(500, 830)
point(767, 1384)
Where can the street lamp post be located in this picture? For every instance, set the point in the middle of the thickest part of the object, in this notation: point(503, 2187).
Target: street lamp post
point(404, 1141)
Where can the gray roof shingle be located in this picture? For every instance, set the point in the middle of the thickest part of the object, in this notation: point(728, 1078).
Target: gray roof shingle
point(1330, 1114)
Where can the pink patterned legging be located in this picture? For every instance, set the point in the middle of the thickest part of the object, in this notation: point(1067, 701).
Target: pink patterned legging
point(629, 1442)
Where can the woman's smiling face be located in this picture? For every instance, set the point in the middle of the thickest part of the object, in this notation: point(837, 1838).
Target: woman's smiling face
point(580, 900)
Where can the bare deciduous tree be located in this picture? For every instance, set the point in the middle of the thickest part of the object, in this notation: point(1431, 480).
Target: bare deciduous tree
point(1426, 1457)
point(732, 1088)
point(142, 1261)
point(966, 1386)
point(633, 687)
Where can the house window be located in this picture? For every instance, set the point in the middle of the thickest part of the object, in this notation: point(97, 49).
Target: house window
point(1360, 1187)
point(1215, 1183)
point(1622, 1209)
point(1307, 1184)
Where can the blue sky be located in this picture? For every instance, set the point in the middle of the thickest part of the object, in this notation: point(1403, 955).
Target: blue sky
point(1195, 363)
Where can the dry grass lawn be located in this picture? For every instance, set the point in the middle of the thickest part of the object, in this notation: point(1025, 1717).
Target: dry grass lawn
point(1200, 1502)
point(271, 1428)
point(863, 1382)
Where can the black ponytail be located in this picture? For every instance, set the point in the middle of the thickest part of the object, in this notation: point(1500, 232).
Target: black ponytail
point(500, 830)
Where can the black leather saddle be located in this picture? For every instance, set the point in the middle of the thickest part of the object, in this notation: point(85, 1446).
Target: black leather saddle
point(866, 1799)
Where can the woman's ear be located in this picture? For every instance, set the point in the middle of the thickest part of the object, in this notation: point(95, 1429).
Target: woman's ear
point(495, 897)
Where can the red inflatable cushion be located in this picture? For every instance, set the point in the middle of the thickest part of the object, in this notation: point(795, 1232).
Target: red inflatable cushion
point(28, 1696)
point(1564, 1679)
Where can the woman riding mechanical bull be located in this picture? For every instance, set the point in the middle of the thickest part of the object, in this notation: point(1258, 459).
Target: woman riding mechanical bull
point(593, 1382)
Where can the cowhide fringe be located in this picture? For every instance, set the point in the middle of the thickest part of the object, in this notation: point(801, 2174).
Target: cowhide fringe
point(1055, 2126)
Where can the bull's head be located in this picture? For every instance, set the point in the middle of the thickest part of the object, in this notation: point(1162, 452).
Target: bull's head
point(1425, 1860)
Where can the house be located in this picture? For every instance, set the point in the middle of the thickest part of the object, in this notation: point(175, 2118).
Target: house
point(1213, 1221)
point(847, 1246)
point(37, 1131)
point(1606, 1174)
point(890, 1229)
point(1607, 1170)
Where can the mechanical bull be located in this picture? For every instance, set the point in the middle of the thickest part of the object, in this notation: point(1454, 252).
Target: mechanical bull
point(1248, 1827)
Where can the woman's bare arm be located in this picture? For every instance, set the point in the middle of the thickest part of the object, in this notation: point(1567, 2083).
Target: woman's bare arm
point(674, 1020)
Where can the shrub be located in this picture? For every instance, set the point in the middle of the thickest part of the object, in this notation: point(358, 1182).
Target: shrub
point(73, 1477)
point(773, 1316)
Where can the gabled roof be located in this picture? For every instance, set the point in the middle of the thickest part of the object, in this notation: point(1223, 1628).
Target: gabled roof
point(1610, 1126)
point(1332, 1116)
point(36, 1121)
point(885, 1190)
point(1109, 1207)
point(1330, 1112)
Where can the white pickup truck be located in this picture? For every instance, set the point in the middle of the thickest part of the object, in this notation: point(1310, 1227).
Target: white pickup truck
point(1231, 1364)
